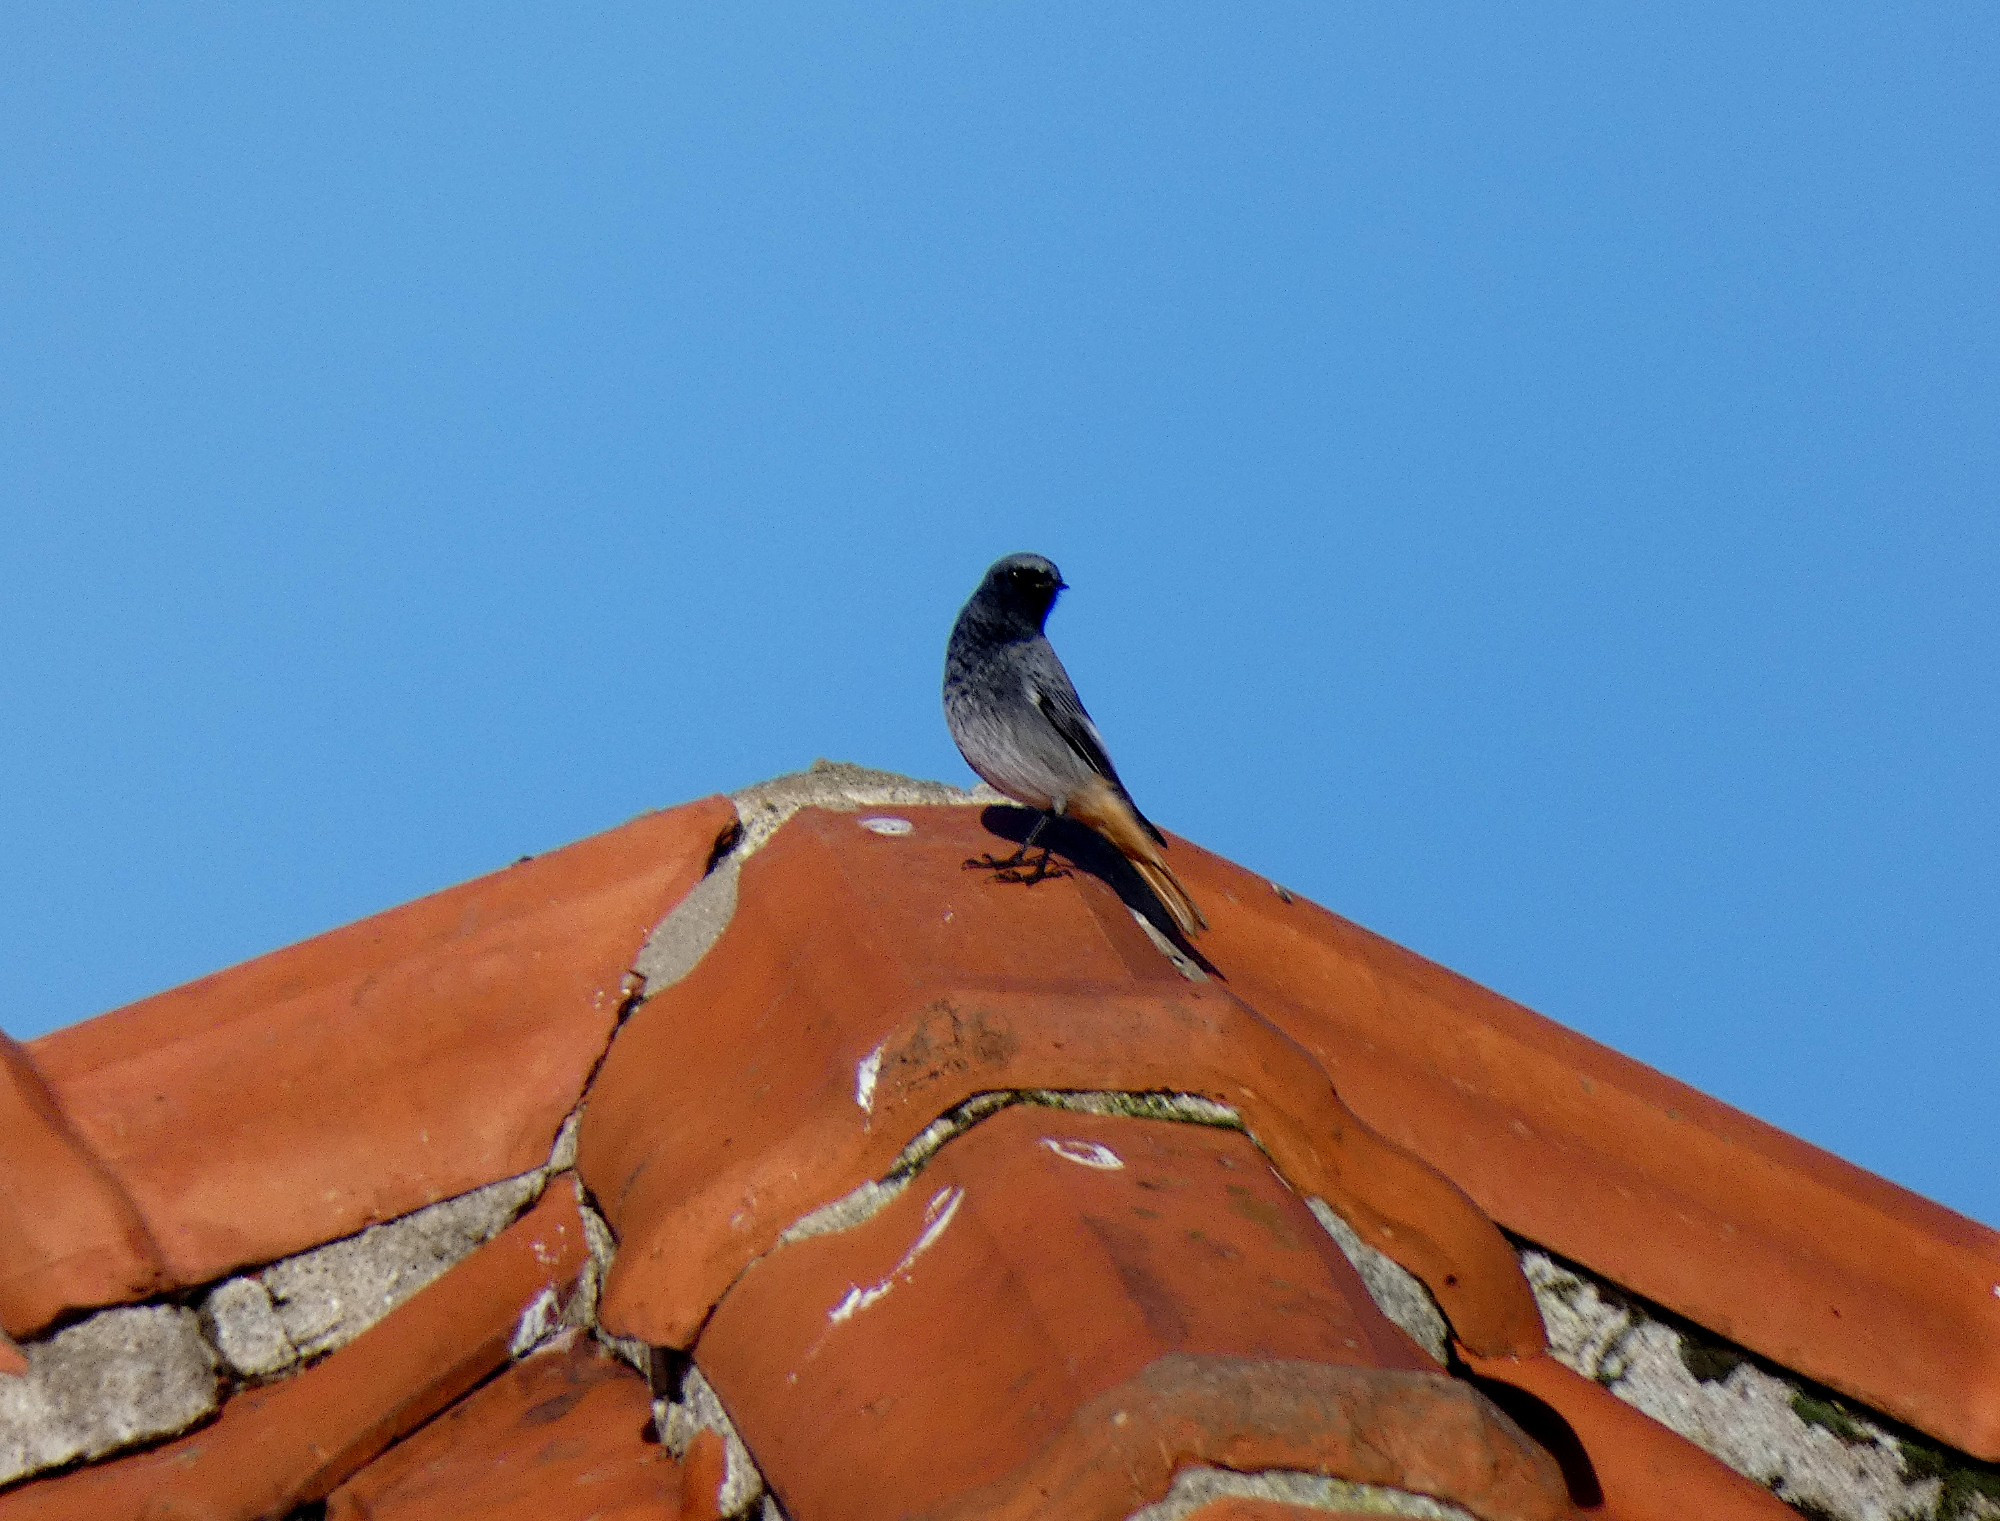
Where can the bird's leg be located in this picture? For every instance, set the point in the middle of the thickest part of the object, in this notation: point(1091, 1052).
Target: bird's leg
point(1040, 870)
point(1010, 870)
point(991, 862)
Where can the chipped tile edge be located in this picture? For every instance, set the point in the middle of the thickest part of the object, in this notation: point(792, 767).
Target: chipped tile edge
point(696, 1407)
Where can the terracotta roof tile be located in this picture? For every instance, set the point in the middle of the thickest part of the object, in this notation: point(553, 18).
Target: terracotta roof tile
point(1007, 1312)
point(293, 1442)
point(1059, 1311)
point(1643, 1471)
point(68, 1233)
point(353, 1078)
point(704, 1471)
point(902, 985)
point(1751, 1232)
point(564, 1435)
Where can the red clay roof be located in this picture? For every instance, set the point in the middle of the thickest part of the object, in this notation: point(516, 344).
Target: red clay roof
point(1056, 1313)
point(350, 1079)
point(1771, 1242)
point(1054, 1281)
point(571, 1421)
point(867, 985)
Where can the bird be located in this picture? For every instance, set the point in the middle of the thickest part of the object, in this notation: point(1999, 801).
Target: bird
point(1016, 718)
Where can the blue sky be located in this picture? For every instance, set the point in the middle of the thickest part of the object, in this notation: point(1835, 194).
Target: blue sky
point(1527, 475)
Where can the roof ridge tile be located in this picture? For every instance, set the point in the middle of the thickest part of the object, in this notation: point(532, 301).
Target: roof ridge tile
point(838, 940)
point(1048, 1261)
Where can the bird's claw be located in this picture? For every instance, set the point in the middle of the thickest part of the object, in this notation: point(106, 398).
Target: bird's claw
point(1040, 872)
point(1013, 868)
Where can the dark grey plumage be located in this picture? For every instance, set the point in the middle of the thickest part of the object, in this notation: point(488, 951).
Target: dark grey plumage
point(1016, 718)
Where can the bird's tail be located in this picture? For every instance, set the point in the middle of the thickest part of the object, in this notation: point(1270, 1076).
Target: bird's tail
point(1174, 897)
point(1111, 814)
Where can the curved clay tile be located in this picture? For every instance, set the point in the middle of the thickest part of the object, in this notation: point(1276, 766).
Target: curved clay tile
point(1750, 1232)
point(1643, 1471)
point(869, 983)
point(1049, 1313)
point(1062, 1309)
point(560, 1436)
point(68, 1234)
point(356, 1077)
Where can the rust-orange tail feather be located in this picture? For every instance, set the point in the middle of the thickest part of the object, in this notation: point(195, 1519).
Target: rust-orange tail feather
point(1107, 811)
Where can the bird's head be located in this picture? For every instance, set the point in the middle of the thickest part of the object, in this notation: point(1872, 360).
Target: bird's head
point(1022, 587)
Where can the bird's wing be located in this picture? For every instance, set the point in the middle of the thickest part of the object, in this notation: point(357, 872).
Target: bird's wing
point(1060, 705)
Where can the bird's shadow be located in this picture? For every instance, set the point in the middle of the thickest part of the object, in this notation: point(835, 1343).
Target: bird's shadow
point(1078, 848)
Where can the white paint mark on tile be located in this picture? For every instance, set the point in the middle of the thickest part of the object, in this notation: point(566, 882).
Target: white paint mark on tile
point(1085, 1153)
point(881, 823)
point(864, 1081)
point(937, 1215)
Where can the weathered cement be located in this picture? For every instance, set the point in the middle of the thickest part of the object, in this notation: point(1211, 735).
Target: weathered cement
point(322, 1299)
point(1397, 1292)
point(839, 785)
point(1196, 1487)
point(127, 1375)
point(1808, 1448)
point(139, 1373)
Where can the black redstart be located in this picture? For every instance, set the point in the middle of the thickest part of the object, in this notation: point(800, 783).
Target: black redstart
point(1019, 724)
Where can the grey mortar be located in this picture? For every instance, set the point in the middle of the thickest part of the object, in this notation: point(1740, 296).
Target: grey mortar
point(1398, 1292)
point(842, 786)
point(311, 1304)
point(143, 1372)
point(1748, 1417)
point(1196, 1487)
point(867, 1201)
point(128, 1375)
point(305, 1306)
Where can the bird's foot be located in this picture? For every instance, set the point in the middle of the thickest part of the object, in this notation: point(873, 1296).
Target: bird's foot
point(991, 862)
point(1015, 869)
